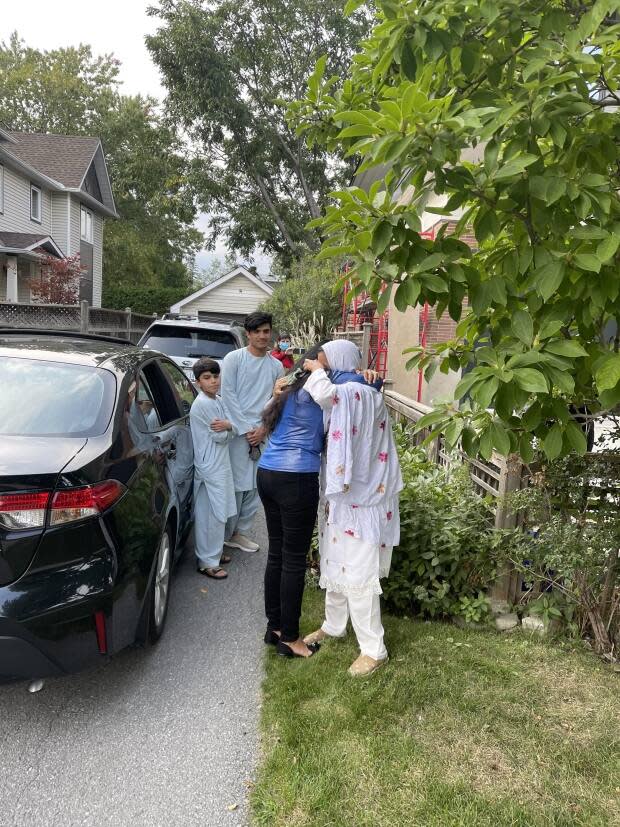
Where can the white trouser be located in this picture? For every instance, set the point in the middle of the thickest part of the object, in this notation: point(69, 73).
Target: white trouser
point(365, 613)
point(208, 530)
point(247, 506)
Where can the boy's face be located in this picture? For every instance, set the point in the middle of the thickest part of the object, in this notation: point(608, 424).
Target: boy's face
point(260, 339)
point(209, 383)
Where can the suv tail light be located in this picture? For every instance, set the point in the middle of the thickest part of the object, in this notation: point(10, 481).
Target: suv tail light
point(23, 511)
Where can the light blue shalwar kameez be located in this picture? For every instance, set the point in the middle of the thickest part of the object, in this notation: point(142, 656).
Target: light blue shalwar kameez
point(214, 489)
point(247, 386)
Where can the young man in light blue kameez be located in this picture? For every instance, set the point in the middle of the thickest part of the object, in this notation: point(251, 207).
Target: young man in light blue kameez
point(248, 377)
point(214, 489)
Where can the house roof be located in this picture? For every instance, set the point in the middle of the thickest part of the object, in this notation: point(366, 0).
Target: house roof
point(237, 271)
point(62, 162)
point(28, 243)
point(65, 158)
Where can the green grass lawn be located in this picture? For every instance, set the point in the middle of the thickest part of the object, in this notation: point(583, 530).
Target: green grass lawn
point(460, 728)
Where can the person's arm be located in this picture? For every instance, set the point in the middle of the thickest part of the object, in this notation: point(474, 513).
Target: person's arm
point(202, 419)
point(320, 388)
point(230, 367)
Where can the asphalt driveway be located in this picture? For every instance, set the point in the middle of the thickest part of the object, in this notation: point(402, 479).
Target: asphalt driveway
point(163, 736)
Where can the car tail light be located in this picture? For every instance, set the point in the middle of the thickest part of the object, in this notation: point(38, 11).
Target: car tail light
point(88, 501)
point(21, 511)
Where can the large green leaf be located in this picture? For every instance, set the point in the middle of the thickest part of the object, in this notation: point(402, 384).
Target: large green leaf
point(523, 327)
point(381, 237)
point(552, 444)
point(566, 347)
point(576, 438)
point(531, 380)
point(608, 374)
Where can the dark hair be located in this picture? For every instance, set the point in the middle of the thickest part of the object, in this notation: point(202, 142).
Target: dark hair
point(257, 319)
point(206, 365)
point(272, 413)
point(284, 336)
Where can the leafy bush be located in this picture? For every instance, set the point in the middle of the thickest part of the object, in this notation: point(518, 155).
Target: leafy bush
point(142, 299)
point(570, 545)
point(446, 553)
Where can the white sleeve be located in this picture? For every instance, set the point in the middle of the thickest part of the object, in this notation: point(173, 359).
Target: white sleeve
point(321, 389)
point(229, 393)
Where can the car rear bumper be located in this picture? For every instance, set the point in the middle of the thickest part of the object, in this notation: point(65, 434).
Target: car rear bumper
point(47, 624)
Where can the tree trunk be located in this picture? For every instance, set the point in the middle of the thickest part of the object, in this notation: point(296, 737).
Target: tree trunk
point(260, 183)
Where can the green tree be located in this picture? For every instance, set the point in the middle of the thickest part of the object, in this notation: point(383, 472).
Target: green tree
point(509, 112)
point(229, 67)
point(69, 91)
point(307, 298)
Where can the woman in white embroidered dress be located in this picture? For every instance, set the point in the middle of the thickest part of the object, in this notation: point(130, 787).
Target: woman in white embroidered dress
point(361, 485)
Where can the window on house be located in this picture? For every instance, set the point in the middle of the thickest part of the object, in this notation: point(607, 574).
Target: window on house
point(35, 203)
point(1, 188)
point(86, 225)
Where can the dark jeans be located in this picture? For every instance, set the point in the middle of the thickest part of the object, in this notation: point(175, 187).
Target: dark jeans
point(290, 501)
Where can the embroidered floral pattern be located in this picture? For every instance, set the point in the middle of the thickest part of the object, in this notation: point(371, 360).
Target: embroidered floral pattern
point(389, 515)
point(336, 436)
point(357, 396)
point(355, 506)
point(340, 470)
point(382, 425)
point(383, 457)
point(350, 532)
point(335, 399)
point(354, 430)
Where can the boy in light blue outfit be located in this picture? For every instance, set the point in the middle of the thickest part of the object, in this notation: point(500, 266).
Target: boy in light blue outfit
point(214, 488)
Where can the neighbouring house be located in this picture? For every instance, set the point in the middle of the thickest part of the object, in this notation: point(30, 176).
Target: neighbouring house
point(54, 196)
point(229, 298)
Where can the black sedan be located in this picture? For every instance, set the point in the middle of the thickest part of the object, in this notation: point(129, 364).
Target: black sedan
point(96, 470)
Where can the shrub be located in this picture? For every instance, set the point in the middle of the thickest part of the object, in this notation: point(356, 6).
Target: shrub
point(569, 547)
point(446, 553)
point(142, 299)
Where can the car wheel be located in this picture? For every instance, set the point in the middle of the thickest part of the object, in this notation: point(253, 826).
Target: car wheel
point(160, 589)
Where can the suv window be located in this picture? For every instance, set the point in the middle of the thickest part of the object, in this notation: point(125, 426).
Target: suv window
point(189, 342)
point(172, 399)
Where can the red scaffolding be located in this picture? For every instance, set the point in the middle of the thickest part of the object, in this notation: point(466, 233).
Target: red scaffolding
point(360, 310)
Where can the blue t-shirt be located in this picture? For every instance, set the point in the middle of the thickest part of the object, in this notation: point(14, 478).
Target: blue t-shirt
point(296, 442)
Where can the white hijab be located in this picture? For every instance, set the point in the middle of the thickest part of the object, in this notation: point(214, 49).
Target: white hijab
point(343, 355)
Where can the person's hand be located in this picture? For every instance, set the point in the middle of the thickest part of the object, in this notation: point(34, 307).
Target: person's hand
point(370, 376)
point(279, 386)
point(312, 365)
point(219, 425)
point(256, 436)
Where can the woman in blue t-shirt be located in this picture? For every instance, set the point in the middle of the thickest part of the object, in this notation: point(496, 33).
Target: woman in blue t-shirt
point(288, 485)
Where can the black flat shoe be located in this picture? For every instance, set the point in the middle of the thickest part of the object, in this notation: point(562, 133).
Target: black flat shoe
point(285, 650)
point(271, 639)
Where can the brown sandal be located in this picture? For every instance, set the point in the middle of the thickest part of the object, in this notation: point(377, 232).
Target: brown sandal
point(216, 574)
point(224, 559)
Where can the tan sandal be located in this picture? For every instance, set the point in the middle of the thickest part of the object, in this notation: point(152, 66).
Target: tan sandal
point(216, 574)
point(319, 636)
point(365, 665)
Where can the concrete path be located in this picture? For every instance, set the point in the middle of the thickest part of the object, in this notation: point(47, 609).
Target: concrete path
point(164, 736)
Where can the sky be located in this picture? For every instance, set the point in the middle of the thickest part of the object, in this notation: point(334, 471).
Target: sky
point(117, 26)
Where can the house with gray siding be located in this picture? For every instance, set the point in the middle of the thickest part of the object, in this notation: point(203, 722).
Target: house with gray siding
point(54, 196)
point(229, 298)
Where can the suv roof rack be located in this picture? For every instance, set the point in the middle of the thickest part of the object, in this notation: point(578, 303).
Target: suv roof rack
point(73, 334)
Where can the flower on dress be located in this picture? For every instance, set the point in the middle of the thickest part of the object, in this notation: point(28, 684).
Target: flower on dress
point(382, 425)
point(340, 470)
point(354, 430)
point(357, 396)
point(355, 506)
point(389, 515)
point(335, 399)
point(383, 545)
point(336, 435)
point(350, 532)
point(383, 457)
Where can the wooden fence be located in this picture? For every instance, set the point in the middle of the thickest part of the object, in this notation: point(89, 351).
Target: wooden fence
point(499, 477)
point(76, 318)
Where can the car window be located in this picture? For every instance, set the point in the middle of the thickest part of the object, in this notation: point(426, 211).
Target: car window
point(146, 404)
point(41, 398)
point(189, 342)
point(183, 388)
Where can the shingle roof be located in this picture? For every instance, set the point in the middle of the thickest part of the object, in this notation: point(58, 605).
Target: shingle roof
point(65, 158)
point(21, 241)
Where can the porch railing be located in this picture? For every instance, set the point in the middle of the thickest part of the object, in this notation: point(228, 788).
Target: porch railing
point(76, 318)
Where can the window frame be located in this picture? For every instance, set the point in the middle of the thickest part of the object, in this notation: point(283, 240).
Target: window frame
point(86, 223)
point(38, 219)
point(1, 189)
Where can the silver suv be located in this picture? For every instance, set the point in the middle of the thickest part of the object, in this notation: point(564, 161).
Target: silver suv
point(185, 339)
